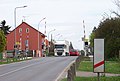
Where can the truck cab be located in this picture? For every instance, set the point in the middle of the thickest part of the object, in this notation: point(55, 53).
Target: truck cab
point(61, 48)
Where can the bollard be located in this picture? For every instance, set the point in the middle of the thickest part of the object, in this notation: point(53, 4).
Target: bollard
point(74, 70)
point(71, 68)
point(69, 76)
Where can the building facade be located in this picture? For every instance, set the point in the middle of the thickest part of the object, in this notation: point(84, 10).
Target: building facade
point(26, 38)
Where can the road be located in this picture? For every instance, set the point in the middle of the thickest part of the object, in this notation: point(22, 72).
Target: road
point(39, 69)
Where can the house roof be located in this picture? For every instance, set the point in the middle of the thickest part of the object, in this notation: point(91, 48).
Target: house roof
point(31, 27)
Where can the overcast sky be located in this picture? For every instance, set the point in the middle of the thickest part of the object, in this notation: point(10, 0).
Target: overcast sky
point(66, 16)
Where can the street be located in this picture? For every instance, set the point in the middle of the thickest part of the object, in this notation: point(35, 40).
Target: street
point(39, 69)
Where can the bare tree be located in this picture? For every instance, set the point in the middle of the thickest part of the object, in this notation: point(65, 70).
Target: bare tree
point(117, 3)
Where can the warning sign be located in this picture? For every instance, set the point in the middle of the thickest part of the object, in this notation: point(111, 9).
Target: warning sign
point(99, 55)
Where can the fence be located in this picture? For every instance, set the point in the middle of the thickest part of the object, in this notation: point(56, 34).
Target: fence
point(72, 71)
point(10, 58)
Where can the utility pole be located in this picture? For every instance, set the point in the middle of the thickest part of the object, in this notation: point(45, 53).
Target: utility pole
point(48, 39)
point(45, 46)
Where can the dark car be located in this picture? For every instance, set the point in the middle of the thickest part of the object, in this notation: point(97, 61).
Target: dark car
point(74, 52)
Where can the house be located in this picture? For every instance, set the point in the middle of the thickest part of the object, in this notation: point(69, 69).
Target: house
point(26, 39)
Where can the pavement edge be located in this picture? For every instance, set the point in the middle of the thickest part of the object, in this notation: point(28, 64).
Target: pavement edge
point(59, 78)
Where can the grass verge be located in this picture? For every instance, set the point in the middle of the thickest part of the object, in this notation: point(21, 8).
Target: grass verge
point(86, 66)
point(110, 66)
point(12, 60)
point(116, 78)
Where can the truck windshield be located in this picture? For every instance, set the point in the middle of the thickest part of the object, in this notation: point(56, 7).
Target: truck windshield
point(59, 46)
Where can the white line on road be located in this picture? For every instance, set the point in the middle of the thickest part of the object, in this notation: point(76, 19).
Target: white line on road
point(22, 68)
point(17, 70)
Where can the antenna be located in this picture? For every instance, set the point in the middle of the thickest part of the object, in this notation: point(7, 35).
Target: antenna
point(24, 18)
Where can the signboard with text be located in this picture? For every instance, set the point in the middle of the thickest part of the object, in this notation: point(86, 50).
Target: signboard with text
point(99, 64)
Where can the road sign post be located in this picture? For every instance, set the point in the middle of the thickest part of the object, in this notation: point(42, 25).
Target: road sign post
point(99, 64)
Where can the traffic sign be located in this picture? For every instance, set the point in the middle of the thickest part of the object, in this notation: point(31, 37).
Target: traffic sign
point(99, 63)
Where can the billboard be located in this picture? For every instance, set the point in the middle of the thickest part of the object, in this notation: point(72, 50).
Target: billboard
point(99, 63)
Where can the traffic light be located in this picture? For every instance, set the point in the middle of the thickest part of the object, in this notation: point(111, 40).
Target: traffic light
point(15, 46)
point(86, 43)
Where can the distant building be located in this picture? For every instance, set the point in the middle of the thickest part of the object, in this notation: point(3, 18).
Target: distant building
point(26, 38)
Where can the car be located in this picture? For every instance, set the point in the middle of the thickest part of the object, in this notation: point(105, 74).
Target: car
point(74, 52)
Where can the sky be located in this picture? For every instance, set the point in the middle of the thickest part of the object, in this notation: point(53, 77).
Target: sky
point(65, 16)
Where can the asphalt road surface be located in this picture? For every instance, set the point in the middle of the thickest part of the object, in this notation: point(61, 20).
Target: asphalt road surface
point(39, 69)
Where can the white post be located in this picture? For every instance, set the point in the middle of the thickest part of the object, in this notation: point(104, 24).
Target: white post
point(33, 53)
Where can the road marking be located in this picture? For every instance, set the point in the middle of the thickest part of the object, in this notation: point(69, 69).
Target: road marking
point(17, 70)
point(23, 68)
point(58, 78)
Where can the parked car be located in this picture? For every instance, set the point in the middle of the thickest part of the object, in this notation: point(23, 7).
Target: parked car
point(74, 52)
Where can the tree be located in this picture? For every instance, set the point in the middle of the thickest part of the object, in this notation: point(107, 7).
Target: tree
point(2, 41)
point(4, 28)
point(117, 3)
point(109, 29)
point(92, 36)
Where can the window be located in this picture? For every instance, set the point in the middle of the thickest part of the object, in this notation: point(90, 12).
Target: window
point(27, 30)
point(60, 46)
point(20, 30)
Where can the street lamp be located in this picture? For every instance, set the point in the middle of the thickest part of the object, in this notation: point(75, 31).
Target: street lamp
point(39, 36)
point(15, 25)
point(59, 37)
point(50, 32)
point(56, 36)
point(48, 39)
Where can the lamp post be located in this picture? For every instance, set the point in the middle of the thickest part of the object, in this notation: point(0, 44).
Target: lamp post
point(15, 26)
point(39, 37)
point(48, 39)
point(50, 32)
point(56, 36)
point(59, 37)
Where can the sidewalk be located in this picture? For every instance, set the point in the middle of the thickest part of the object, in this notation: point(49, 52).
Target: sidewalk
point(91, 74)
point(87, 74)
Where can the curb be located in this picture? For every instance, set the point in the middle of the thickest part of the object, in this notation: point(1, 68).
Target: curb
point(59, 78)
